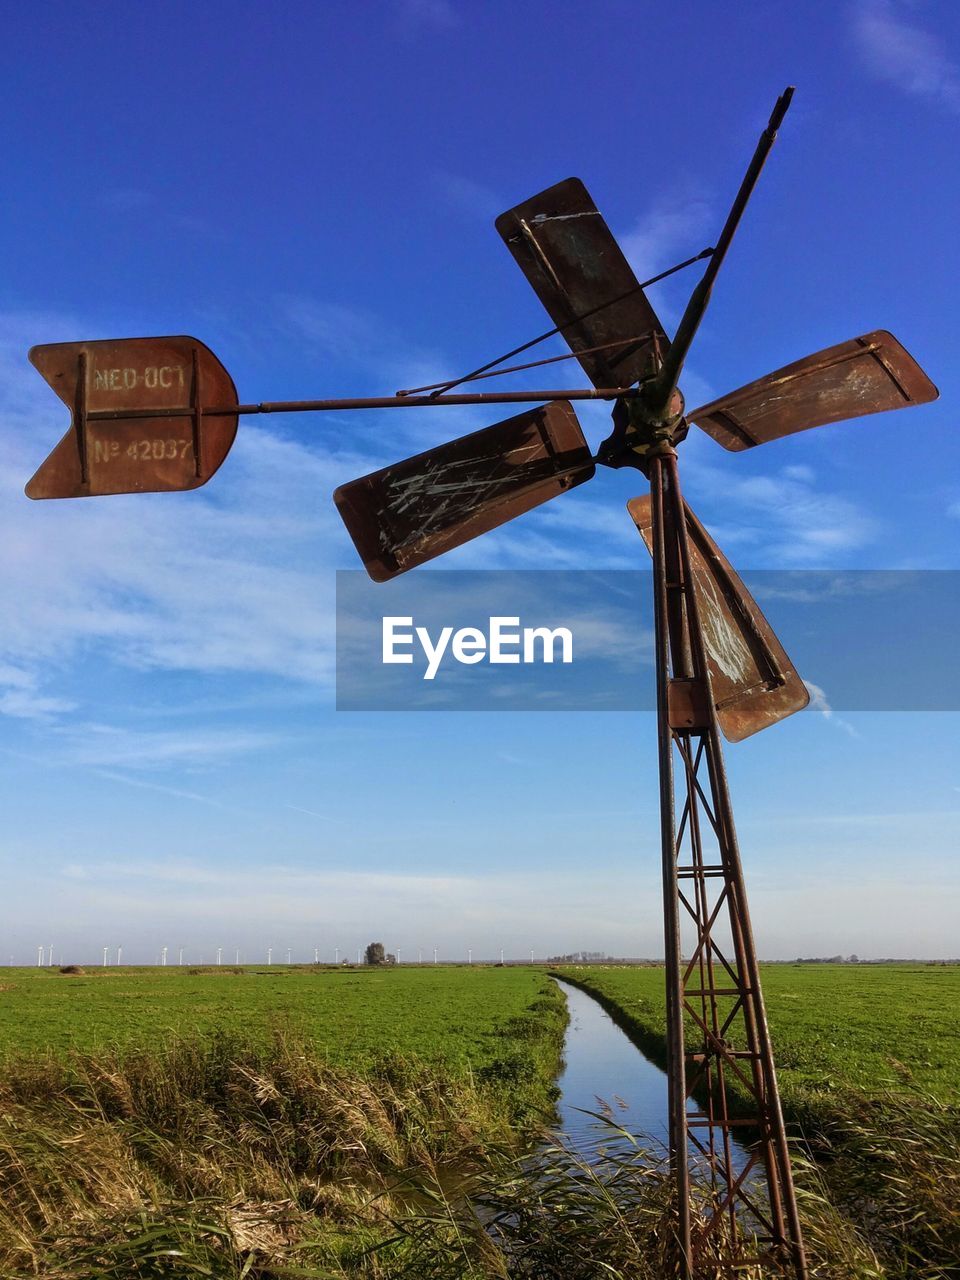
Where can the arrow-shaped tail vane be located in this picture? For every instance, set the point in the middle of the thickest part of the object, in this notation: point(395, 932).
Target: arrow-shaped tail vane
point(139, 424)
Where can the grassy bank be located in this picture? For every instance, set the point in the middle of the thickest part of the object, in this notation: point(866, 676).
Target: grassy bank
point(230, 1155)
point(215, 1158)
point(869, 1074)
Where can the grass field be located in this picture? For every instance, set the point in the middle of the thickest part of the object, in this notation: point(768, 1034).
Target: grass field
point(454, 1016)
point(259, 1123)
point(263, 1122)
point(871, 1028)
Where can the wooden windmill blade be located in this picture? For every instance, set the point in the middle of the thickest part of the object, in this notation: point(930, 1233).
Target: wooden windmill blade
point(417, 509)
point(754, 682)
point(864, 375)
point(578, 271)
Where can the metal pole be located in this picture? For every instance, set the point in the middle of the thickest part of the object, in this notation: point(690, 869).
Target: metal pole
point(718, 991)
point(658, 397)
point(676, 1066)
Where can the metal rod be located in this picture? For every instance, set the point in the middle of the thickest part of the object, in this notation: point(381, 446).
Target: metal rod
point(534, 364)
point(666, 381)
point(676, 1066)
point(525, 346)
point(367, 402)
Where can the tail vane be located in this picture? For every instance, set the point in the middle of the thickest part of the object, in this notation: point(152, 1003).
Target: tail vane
point(149, 415)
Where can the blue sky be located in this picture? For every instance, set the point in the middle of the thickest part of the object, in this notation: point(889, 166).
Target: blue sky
point(311, 189)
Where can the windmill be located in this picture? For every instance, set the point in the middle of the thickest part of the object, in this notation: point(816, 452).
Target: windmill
point(154, 414)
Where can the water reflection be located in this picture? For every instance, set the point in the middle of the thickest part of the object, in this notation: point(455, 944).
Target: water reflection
point(605, 1072)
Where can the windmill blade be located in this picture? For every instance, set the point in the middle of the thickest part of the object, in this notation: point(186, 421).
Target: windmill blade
point(141, 419)
point(865, 375)
point(754, 682)
point(566, 251)
point(415, 510)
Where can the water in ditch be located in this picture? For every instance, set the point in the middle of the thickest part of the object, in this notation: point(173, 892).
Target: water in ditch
point(605, 1073)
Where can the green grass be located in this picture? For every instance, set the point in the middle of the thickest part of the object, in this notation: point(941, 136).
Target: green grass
point(870, 1028)
point(449, 1015)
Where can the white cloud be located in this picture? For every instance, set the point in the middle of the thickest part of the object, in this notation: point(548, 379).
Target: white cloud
point(905, 55)
point(818, 702)
point(103, 744)
point(785, 518)
point(21, 698)
point(673, 227)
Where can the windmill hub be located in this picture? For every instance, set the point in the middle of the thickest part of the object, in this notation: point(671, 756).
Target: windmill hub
point(641, 430)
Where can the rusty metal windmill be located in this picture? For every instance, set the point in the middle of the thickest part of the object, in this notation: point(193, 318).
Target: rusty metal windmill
point(155, 414)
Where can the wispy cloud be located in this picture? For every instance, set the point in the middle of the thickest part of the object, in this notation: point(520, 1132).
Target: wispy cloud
point(178, 792)
point(897, 50)
point(469, 196)
point(234, 578)
point(21, 698)
point(312, 813)
point(672, 227)
point(785, 518)
point(429, 13)
point(818, 701)
point(103, 744)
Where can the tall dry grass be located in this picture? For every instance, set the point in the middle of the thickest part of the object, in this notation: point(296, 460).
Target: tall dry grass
point(214, 1158)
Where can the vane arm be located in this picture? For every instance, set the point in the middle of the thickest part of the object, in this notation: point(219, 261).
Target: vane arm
point(367, 402)
point(661, 390)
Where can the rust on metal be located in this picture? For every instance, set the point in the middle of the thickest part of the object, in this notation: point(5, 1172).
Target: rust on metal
point(143, 416)
point(754, 682)
point(411, 512)
point(566, 251)
point(718, 1040)
point(688, 704)
point(864, 375)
